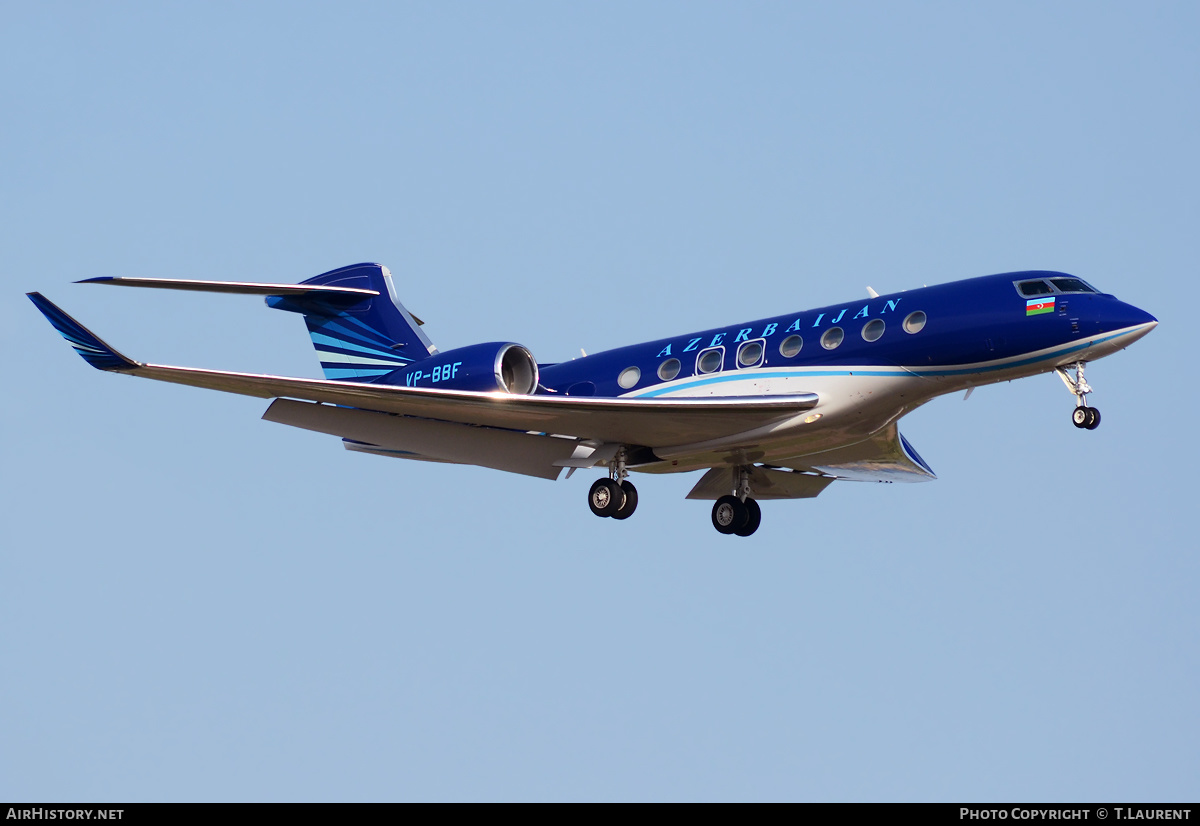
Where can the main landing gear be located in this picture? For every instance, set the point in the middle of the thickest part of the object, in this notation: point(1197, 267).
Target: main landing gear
point(737, 513)
point(615, 496)
point(1082, 416)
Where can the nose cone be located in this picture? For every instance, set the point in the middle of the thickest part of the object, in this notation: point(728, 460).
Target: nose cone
point(1122, 316)
point(1137, 316)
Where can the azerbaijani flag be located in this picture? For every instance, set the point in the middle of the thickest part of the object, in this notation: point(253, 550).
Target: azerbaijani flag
point(1037, 306)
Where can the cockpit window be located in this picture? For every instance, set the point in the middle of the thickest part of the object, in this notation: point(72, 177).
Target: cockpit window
point(1042, 286)
point(1071, 285)
point(1038, 287)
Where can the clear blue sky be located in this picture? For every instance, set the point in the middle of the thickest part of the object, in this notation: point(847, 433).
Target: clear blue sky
point(198, 605)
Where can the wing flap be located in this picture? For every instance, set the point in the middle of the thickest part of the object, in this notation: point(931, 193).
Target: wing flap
point(508, 450)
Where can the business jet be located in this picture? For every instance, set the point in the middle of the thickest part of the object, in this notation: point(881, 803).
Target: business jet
point(777, 408)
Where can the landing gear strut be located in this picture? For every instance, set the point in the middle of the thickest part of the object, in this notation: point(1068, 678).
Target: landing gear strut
point(737, 514)
point(615, 496)
point(1082, 416)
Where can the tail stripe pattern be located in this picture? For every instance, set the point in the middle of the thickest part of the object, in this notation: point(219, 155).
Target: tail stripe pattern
point(362, 340)
point(342, 359)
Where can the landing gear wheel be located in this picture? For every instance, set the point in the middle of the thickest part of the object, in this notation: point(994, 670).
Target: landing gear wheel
point(729, 515)
point(755, 518)
point(1080, 416)
point(606, 497)
point(1093, 418)
point(626, 510)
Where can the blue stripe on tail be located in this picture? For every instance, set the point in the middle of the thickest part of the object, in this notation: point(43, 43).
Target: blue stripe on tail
point(364, 340)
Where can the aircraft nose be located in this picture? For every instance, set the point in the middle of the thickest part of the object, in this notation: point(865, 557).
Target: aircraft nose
point(1122, 316)
point(1130, 316)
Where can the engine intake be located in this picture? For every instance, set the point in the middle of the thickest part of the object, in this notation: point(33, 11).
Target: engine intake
point(516, 370)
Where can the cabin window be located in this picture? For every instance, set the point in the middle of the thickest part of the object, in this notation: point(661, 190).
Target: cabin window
point(832, 338)
point(873, 329)
point(790, 346)
point(915, 322)
point(1072, 285)
point(709, 361)
point(750, 354)
point(669, 369)
point(1039, 287)
point(629, 377)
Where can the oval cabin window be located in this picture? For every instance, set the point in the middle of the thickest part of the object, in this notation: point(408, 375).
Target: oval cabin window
point(832, 338)
point(669, 369)
point(750, 354)
point(710, 361)
point(790, 346)
point(915, 322)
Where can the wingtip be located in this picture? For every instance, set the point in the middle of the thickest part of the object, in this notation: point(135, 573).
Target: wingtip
point(87, 344)
point(100, 279)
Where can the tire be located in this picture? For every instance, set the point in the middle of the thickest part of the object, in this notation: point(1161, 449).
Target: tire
point(631, 499)
point(729, 514)
point(1093, 419)
point(755, 518)
point(606, 497)
point(1080, 416)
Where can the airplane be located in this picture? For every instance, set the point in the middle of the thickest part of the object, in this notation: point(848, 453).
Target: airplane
point(777, 408)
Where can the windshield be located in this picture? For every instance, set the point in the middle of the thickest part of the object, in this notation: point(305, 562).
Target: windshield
point(1071, 285)
point(1050, 286)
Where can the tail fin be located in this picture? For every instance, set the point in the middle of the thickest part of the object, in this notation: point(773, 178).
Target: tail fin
point(363, 340)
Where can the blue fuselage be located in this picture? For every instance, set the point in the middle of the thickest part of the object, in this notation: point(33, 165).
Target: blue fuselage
point(981, 329)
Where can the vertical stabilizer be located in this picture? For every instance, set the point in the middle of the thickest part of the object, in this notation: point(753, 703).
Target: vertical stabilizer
point(363, 340)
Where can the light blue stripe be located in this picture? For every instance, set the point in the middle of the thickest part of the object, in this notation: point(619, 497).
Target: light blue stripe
point(992, 368)
point(339, 373)
point(329, 341)
point(770, 374)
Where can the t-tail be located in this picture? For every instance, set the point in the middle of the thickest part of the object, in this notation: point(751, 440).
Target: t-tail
point(361, 339)
point(360, 329)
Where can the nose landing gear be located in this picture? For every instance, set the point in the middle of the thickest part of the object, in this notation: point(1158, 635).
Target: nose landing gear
point(615, 496)
point(737, 514)
point(1082, 416)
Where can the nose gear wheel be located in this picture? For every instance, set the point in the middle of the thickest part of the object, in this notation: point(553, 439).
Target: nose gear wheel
point(1082, 416)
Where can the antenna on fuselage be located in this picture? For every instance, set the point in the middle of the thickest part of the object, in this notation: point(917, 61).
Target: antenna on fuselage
point(871, 292)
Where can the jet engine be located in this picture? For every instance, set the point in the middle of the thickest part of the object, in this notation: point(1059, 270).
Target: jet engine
point(491, 367)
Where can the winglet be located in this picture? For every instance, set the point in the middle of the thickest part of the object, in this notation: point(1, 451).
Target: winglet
point(94, 351)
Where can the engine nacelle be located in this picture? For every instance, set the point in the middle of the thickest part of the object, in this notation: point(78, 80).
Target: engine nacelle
point(494, 366)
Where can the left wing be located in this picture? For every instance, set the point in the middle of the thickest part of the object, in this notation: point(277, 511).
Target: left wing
point(645, 422)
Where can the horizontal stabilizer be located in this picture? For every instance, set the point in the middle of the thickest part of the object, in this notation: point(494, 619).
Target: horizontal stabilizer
point(345, 294)
point(334, 295)
point(86, 343)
